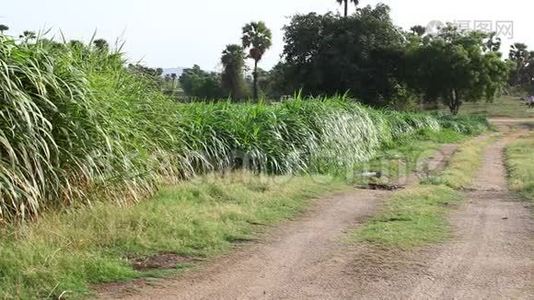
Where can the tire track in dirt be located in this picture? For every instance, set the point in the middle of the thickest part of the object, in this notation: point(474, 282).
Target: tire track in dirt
point(304, 258)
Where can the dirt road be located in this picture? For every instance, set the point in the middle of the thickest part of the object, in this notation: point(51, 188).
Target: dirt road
point(493, 254)
point(490, 256)
point(288, 262)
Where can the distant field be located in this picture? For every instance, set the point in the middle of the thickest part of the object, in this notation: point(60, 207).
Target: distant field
point(506, 106)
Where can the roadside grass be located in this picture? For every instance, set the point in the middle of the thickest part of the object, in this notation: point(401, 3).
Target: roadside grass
point(62, 253)
point(417, 216)
point(399, 159)
point(412, 218)
point(463, 166)
point(520, 165)
point(504, 107)
point(65, 252)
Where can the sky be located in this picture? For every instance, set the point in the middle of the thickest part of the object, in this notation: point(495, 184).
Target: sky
point(180, 33)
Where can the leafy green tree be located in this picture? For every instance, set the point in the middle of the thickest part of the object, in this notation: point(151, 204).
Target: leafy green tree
point(519, 53)
point(346, 5)
point(3, 28)
point(521, 57)
point(493, 43)
point(153, 74)
point(233, 60)
point(418, 30)
point(265, 84)
point(200, 84)
point(144, 70)
point(169, 85)
point(257, 38)
point(173, 80)
point(76, 44)
point(273, 84)
point(454, 67)
point(328, 55)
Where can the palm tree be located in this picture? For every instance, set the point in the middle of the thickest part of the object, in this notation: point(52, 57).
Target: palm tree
point(346, 3)
point(173, 77)
point(3, 28)
point(256, 37)
point(520, 55)
point(233, 60)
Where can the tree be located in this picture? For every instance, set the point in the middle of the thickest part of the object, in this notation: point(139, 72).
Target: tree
point(153, 74)
point(519, 52)
point(454, 67)
point(521, 57)
point(493, 43)
point(362, 54)
point(257, 38)
point(233, 60)
point(145, 71)
point(173, 80)
point(418, 30)
point(76, 44)
point(273, 84)
point(28, 35)
point(346, 4)
point(3, 28)
point(169, 83)
point(101, 45)
point(200, 84)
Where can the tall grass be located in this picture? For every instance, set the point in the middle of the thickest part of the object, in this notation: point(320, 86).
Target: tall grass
point(76, 126)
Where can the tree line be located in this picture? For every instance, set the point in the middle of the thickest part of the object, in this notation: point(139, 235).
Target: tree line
point(232, 82)
point(365, 56)
point(362, 55)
